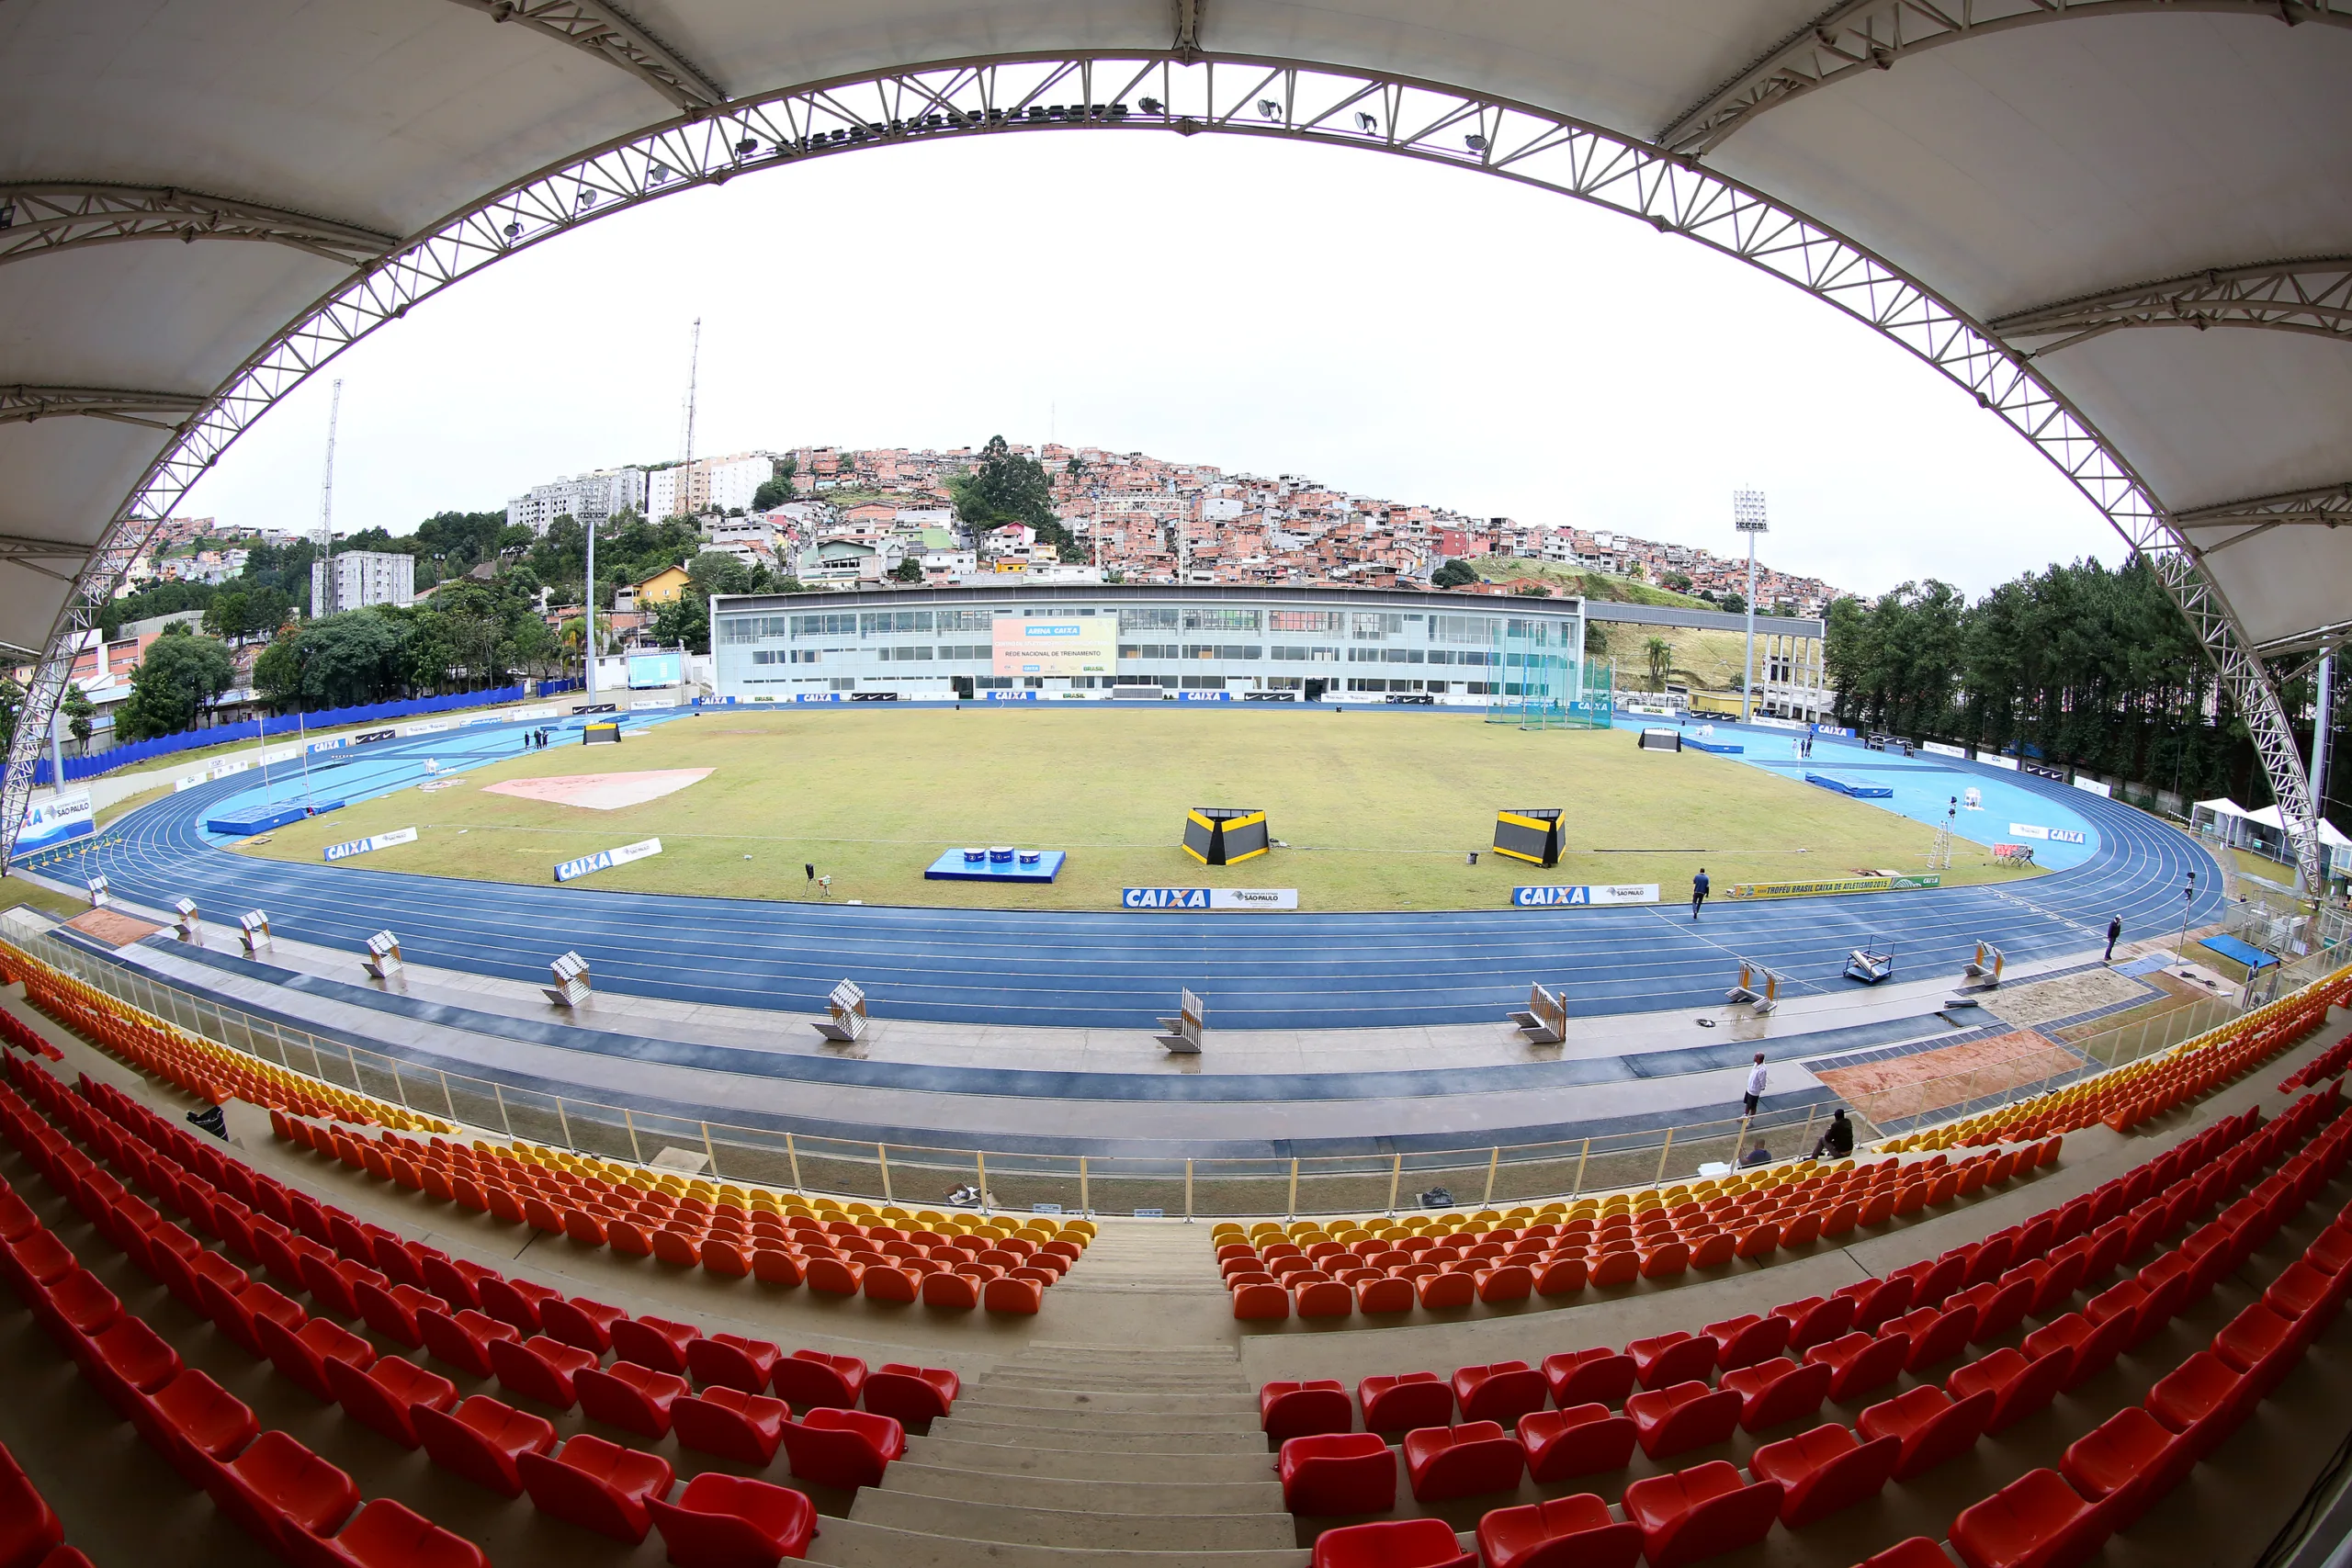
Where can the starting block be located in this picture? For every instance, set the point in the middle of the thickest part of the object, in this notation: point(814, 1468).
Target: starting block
point(252, 930)
point(572, 986)
point(845, 1014)
point(1759, 987)
point(1870, 963)
point(383, 960)
point(1182, 1034)
point(1545, 1019)
point(187, 927)
point(100, 895)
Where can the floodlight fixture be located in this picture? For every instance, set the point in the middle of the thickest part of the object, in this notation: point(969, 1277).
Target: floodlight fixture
point(587, 199)
point(1367, 123)
point(1150, 106)
point(1475, 142)
point(513, 231)
point(1748, 512)
point(661, 172)
point(746, 147)
point(7, 214)
point(1268, 110)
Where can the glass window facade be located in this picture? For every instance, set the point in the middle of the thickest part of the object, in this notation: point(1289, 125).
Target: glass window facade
point(1184, 641)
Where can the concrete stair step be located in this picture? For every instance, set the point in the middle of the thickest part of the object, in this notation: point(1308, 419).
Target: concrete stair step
point(1109, 1440)
point(856, 1543)
point(1104, 1401)
point(1020, 1384)
point(1090, 1463)
point(1133, 1356)
point(1092, 1527)
point(1086, 1418)
point(1128, 1494)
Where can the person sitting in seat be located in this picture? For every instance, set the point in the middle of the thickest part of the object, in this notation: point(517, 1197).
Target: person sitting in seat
point(1836, 1140)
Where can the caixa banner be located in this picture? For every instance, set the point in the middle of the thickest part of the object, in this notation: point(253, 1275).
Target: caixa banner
point(1209, 898)
point(1556, 898)
point(604, 860)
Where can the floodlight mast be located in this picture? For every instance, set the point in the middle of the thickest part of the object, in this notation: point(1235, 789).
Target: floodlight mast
point(1747, 517)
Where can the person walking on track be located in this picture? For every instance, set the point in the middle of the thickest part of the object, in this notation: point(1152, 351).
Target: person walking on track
point(1755, 1085)
point(2114, 930)
point(1698, 891)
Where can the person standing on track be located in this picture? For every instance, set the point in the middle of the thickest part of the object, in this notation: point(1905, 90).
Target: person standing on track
point(2114, 930)
point(1755, 1087)
point(1698, 891)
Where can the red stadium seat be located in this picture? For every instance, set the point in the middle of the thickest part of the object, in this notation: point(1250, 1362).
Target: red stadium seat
point(195, 1421)
point(1502, 1391)
point(1402, 1402)
point(386, 1535)
point(1575, 1531)
point(1670, 1358)
point(1744, 1341)
point(842, 1448)
point(1875, 1300)
point(597, 1485)
point(730, 1360)
point(1816, 1320)
point(2020, 1386)
point(1338, 1473)
point(1931, 1426)
point(303, 1357)
point(636, 1399)
point(1824, 1470)
point(480, 1441)
point(2095, 1345)
point(540, 1368)
point(1688, 1415)
point(1583, 1440)
point(730, 1423)
point(462, 1340)
point(1916, 1553)
point(136, 1355)
point(2036, 1521)
point(1286, 1410)
point(278, 1486)
point(726, 1521)
point(1700, 1513)
point(1392, 1543)
point(915, 1396)
point(1776, 1392)
point(1469, 1460)
point(582, 1321)
point(1860, 1362)
point(809, 1379)
point(1937, 1334)
point(384, 1394)
point(1586, 1377)
point(29, 1530)
point(2130, 1456)
point(2203, 1399)
point(516, 1302)
point(653, 1342)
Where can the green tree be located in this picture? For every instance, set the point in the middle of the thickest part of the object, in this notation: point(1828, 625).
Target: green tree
point(908, 569)
point(774, 493)
point(1454, 574)
point(1658, 654)
point(716, 571)
point(178, 679)
point(1009, 489)
point(684, 622)
point(80, 714)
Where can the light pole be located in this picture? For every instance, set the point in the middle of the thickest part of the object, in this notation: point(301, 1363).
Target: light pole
point(588, 641)
point(2187, 899)
point(1747, 516)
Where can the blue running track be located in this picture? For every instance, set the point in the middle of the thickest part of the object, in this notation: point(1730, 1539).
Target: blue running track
point(1117, 969)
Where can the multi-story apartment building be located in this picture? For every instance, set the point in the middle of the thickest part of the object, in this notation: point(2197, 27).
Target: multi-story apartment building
point(362, 578)
point(707, 484)
point(587, 499)
point(1313, 642)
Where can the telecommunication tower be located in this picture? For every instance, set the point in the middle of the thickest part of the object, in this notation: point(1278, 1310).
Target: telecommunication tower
point(694, 365)
point(326, 512)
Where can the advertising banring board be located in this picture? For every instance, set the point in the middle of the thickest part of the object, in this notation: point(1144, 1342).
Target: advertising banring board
point(1061, 645)
point(1261, 900)
point(604, 860)
point(1572, 897)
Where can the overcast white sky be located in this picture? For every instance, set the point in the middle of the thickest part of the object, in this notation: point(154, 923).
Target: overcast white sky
point(1387, 327)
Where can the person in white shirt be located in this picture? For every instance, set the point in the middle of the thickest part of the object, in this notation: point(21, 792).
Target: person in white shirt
point(1755, 1084)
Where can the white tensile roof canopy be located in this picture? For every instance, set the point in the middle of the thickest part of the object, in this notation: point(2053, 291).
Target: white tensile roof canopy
point(2128, 227)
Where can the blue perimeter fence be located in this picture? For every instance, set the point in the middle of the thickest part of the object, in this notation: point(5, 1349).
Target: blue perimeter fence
point(115, 757)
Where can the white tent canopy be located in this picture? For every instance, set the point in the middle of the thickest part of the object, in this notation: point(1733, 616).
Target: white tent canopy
point(2328, 832)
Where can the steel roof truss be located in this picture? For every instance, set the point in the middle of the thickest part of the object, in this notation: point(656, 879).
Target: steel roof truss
point(609, 33)
point(2312, 296)
point(38, 218)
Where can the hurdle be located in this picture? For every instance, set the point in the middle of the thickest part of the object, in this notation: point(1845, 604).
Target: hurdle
point(1545, 1019)
point(1182, 1034)
point(845, 1018)
point(572, 986)
point(253, 930)
point(383, 960)
point(100, 895)
point(1759, 987)
point(187, 927)
point(1983, 973)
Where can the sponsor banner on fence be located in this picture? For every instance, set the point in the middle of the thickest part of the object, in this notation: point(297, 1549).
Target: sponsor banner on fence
point(1208, 897)
point(2092, 786)
point(604, 860)
point(526, 716)
point(638, 704)
point(377, 841)
point(368, 738)
point(1990, 761)
point(1831, 885)
point(48, 823)
point(271, 758)
point(1555, 897)
point(429, 727)
point(596, 707)
point(825, 697)
point(1938, 749)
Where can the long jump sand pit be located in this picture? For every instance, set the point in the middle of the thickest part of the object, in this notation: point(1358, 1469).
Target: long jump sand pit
point(1949, 1075)
point(602, 792)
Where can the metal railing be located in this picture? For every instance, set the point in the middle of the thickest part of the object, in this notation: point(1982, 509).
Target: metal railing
point(1469, 1177)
